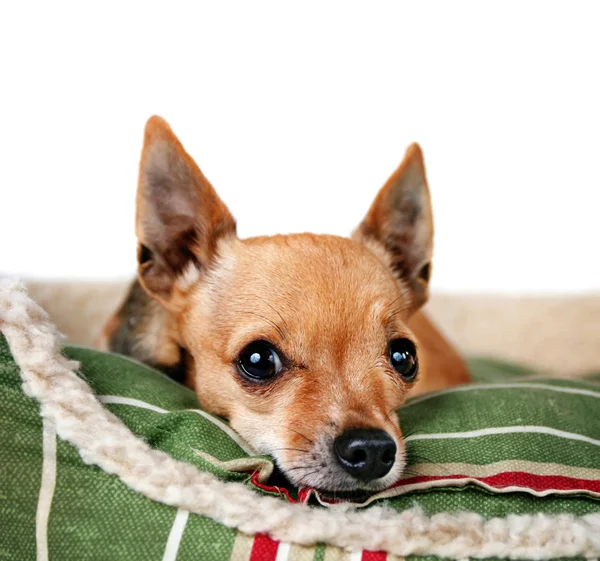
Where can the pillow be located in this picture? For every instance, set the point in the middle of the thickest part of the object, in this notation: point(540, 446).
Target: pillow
point(105, 458)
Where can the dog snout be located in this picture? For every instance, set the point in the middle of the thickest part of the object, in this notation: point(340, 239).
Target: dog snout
point(365, 454)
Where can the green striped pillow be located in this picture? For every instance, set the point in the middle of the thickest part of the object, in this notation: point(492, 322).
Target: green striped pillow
point(516, 444)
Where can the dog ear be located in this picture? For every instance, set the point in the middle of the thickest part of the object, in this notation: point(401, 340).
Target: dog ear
point(399, 225)
point(180, 218)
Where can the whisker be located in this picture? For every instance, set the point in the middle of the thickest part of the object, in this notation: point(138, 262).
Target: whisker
point(308, 475)
point(410, 433)
point(270, 322)
point(418, 457)
point(292, 449)
point(285, 324)
point(402, 295)
point(299, 467)
point(401, 310)
point(406, 292)
point(410, 457)
point(392, 411)
point(300, 434)
point(412, 473)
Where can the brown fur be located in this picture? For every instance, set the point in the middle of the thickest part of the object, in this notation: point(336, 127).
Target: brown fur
point(328, 305)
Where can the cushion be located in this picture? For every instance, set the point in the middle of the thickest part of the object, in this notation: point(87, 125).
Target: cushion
point(105, 458)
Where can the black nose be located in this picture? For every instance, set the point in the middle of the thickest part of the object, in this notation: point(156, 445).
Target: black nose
point(366, 454)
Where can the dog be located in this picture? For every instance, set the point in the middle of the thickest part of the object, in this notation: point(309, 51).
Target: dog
point(307, 344)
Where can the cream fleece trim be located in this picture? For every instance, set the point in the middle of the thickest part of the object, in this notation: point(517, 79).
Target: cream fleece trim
point(103, 440)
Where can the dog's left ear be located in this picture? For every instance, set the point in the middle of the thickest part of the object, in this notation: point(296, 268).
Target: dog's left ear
point(180, 218)
point(399, 225)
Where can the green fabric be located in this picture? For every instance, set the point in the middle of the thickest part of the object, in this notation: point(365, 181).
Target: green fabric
point(95, 516)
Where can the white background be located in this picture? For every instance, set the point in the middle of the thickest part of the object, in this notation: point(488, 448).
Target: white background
point(297, 113)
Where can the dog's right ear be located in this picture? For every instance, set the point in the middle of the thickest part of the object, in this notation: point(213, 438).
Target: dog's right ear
point(180, 217)
point(399, 225)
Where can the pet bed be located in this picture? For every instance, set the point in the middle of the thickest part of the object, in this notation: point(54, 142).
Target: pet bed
point(103, 458)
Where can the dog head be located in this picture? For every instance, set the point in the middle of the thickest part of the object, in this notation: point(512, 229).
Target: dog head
point(300, 341)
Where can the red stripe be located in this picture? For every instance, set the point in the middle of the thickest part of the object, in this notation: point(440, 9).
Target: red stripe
point(264, 548)
point(542, 482)
point(523, 480)
point(374, 556)
point(272, 489)
point(519, 479)
point(304, 494)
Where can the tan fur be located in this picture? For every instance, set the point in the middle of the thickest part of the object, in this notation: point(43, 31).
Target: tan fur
point(329, 305)
point(440, 363)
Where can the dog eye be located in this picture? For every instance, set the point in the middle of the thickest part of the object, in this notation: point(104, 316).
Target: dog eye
point(403, 358)
point(259, 361)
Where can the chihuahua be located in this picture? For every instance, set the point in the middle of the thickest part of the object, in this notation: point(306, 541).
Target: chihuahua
point(306, 343)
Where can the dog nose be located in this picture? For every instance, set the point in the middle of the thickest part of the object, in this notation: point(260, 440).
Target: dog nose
point(366, 454)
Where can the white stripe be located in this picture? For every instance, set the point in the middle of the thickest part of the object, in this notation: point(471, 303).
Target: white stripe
point(356, 556)
point(559, 389)
point(143, 405)
point(130, 401)
point(46, 489)
point(283, 551)
point(505, 430)
point(175, 535)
